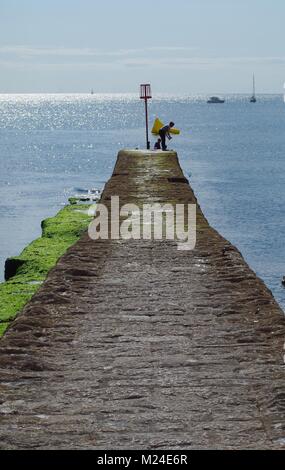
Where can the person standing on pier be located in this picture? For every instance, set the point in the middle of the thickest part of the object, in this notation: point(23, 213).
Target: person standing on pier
point(165, 132)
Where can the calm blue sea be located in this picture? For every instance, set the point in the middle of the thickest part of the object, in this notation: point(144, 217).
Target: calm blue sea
point(52, 146)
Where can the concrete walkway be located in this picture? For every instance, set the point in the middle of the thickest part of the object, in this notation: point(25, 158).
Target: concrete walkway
point(132, 345)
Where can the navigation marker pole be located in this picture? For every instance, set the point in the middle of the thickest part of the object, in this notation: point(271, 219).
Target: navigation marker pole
point(146, 95)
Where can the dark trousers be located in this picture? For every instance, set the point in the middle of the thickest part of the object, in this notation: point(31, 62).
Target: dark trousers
point(162, 135)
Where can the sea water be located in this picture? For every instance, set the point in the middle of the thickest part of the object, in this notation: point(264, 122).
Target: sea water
point(55, 146)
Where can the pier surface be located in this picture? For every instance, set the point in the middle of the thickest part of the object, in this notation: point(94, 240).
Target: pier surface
point(136, 345)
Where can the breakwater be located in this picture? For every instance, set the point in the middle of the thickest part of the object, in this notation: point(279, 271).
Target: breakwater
point(133, 344)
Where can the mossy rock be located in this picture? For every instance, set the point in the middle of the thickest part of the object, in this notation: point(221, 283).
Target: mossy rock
point(26, 273)
point(73, 200)
point(14, 295)
point(3, 328)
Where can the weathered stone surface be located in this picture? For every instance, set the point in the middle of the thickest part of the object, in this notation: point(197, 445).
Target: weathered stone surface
point(137, 345)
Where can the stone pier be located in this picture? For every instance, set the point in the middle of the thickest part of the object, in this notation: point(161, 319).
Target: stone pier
point(136, 345)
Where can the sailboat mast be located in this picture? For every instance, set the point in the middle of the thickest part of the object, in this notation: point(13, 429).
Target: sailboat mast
point(253, 98)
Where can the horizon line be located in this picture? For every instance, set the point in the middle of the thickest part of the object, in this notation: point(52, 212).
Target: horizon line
point(132, 93)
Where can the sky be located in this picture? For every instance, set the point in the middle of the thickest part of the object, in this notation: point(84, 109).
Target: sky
point(179, 46)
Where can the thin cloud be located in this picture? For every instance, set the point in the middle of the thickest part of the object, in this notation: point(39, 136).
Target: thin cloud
point(30, 51)
point(17, 56)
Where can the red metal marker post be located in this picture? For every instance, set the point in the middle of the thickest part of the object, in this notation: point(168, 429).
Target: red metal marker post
point(146, 95)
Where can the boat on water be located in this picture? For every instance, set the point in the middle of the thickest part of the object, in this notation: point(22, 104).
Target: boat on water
point(253, 97)
point(215, 100)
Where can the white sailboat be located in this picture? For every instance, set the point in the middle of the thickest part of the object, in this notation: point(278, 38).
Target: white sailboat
point(253, 98)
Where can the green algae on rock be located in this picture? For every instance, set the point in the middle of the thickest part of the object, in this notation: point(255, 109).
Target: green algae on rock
point(24, 274)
